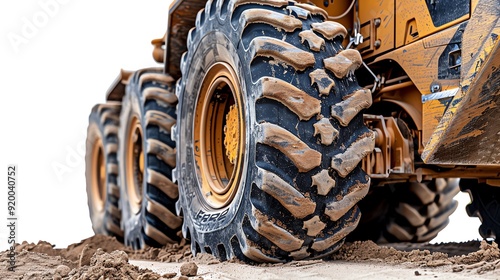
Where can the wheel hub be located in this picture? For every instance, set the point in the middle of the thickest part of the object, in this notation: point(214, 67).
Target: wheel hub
point(231, 134)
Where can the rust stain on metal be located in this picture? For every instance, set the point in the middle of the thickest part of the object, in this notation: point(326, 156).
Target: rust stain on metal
point(322, 80)
point(315, 42)
point(348, 227)
point(299, 102)
point(163, 183)
point(296, 203)
point(283, 52)
point(277, 20)
point(323, 182)
point(314, 226)
point(345, 62)
point(295, 149)
point(329, 29)
point(345, 162)
point(277, 235)
point(352, 104)
point(336, 209)
point(160, 119)
point(326, 130)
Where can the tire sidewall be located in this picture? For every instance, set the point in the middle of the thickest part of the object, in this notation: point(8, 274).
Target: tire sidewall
point(95, 131)
point(214, 47)
point(131, 108)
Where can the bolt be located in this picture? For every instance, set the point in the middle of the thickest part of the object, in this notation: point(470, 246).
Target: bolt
point(377, 22)
point(435, 88)
point(377, 44)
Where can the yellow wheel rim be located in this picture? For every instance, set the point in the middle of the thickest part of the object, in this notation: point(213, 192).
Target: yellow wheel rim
point(98, 175)
point(134, 165)
point(219, 135)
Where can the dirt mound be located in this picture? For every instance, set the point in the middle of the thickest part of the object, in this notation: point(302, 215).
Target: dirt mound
point(73, 251)
point(487, 258)
point(368, 250)
point(110, 266)
point(452, 249)
point(169, 253)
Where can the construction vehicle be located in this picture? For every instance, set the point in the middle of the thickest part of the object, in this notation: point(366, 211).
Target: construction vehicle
point(270, 120)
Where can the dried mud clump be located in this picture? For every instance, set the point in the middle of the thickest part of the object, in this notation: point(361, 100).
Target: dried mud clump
point(111, 266)
point(189, 269)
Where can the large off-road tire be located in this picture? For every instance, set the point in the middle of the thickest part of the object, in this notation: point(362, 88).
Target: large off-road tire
point(270, 133)
point(407, 212)
point(101, 169)
point(485, 205)
point(147, 157)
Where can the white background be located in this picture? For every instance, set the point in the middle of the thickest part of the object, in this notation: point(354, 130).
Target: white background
point(55, 64)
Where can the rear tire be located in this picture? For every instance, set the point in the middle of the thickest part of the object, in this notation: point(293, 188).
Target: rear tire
point(407, 212)
point(271, 133)
point(101, 169)
point(147, 157)
point(485, 205)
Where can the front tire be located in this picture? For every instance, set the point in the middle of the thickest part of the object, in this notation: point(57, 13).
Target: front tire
point(270, 133)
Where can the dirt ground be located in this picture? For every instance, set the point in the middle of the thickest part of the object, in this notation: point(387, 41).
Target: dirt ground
point(102, 257)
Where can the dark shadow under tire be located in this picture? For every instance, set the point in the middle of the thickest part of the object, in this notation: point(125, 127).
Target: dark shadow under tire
point(147, 157)
point(273, 175)
point(407, 212)
point(101, 169)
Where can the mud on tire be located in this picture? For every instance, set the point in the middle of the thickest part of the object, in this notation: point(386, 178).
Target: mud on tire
point(407, 212)
point(147, 156)
point(101, 169)
point(294, 109)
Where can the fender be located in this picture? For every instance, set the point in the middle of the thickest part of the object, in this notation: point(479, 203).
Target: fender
point(182, 17)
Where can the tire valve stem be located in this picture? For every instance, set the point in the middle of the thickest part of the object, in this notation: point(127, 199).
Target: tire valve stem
point(208, 193)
